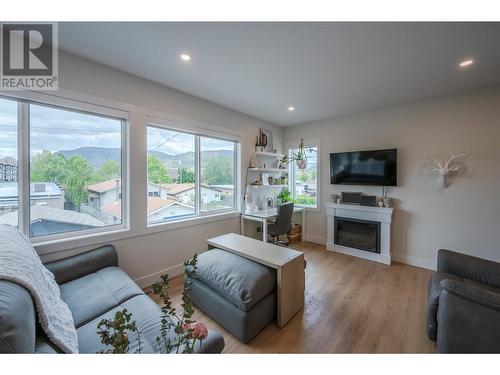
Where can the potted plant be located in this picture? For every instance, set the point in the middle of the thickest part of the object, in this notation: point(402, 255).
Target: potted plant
point(178, 331)
point(285, 196)
point(299, 157)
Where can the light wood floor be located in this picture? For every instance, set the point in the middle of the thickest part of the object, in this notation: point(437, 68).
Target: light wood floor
point(351, 306)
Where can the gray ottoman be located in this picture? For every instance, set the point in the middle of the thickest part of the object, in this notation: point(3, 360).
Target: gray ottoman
point(234, 291)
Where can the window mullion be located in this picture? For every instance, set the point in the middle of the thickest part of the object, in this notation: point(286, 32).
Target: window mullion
point(23, 171)
point(291, 174)
point(197, 178)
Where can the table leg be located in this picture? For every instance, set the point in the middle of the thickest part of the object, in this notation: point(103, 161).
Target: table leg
point(291, 286)
point(264, 230)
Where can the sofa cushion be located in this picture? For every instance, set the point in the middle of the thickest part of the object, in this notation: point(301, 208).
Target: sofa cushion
point(91, 295)
point(147, 315)
point(17, 319)
point(240, 280)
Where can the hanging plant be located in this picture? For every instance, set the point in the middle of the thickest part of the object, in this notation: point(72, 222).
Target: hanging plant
point(299, 157)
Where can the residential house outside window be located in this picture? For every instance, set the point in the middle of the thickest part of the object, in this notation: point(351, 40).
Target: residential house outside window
point(171, 176)
point(304, 184)
point(189, 175)
point(217, 158)
point(74, 177)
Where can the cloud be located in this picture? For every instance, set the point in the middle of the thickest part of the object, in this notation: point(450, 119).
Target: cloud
point(173, 142)
point(57, 129)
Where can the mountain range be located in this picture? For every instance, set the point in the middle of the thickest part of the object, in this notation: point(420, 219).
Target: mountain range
point(98, 155)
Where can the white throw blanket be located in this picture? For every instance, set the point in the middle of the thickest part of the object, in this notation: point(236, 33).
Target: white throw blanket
point(20, 264)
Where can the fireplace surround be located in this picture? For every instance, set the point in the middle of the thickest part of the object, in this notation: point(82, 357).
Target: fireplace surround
point(360, 231)
point(357, 234)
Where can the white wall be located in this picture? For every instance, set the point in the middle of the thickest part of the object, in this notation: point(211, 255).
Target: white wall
point(466, 216)
point(143, 254)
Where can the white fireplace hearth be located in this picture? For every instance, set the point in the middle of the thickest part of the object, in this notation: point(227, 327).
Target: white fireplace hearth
point(377, 217)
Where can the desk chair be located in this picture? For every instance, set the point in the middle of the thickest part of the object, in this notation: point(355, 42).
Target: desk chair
point(282, 224)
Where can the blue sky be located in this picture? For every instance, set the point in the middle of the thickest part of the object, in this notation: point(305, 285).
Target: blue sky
point(53, 129)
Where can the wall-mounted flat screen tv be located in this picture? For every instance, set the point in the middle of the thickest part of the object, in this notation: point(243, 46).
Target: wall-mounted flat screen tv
point(376, 167)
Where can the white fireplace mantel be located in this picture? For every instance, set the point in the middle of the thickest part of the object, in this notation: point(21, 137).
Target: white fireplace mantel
point(382, 215)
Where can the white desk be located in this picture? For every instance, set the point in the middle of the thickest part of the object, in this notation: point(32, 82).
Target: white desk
point(288, 263)
point(263, 216)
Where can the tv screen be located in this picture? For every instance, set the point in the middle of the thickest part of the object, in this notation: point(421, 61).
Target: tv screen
point(377, 167)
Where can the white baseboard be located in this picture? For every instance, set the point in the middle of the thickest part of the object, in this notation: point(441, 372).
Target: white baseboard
point(374, 257)
point(316, 239)
point(415, 261)
point(150, 279)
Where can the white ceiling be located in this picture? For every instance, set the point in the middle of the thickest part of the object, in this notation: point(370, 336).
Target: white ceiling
point(323, 69)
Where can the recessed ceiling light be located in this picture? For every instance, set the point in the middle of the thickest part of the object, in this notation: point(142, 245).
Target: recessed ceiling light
point(291, 108)
point(185, 57)
point(466, 63)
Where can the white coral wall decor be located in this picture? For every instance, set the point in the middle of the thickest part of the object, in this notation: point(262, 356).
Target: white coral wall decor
point(443, 168)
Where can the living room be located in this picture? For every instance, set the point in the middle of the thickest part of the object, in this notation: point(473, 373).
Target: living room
point(308, 187)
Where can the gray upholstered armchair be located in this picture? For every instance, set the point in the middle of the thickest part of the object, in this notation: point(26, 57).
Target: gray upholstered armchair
point(464, 304)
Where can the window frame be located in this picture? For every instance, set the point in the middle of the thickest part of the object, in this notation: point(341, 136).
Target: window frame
point(316, 142)
point(24, 199)
point(198, 133)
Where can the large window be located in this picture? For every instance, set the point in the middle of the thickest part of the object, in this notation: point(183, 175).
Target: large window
point(304, 183)
point(8, 163)
point(73, 180)
point(189, 175)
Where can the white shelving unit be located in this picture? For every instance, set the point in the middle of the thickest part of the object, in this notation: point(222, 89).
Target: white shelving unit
point(261, 192)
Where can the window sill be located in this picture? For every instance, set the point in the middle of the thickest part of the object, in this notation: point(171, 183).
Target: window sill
point(171, 225)
point(75, 241)
point(98, 239)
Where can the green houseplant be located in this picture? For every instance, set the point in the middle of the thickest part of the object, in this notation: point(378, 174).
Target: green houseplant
point(299, 157)
point(178, 332)
point(285, 196)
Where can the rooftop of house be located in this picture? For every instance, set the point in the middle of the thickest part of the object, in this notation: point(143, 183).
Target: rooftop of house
point(174, 189)
point(154, 204)
point(8, 160)
point(104, 186)
point(9, 190)
point(41, 212)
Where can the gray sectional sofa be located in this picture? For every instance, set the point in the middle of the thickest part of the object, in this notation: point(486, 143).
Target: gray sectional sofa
point(464, 304)
point(94, 287)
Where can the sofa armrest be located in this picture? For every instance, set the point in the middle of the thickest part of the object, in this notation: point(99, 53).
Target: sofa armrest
point(472, 293)
point(469, 267)
point(468, 319)
point(71, 268)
